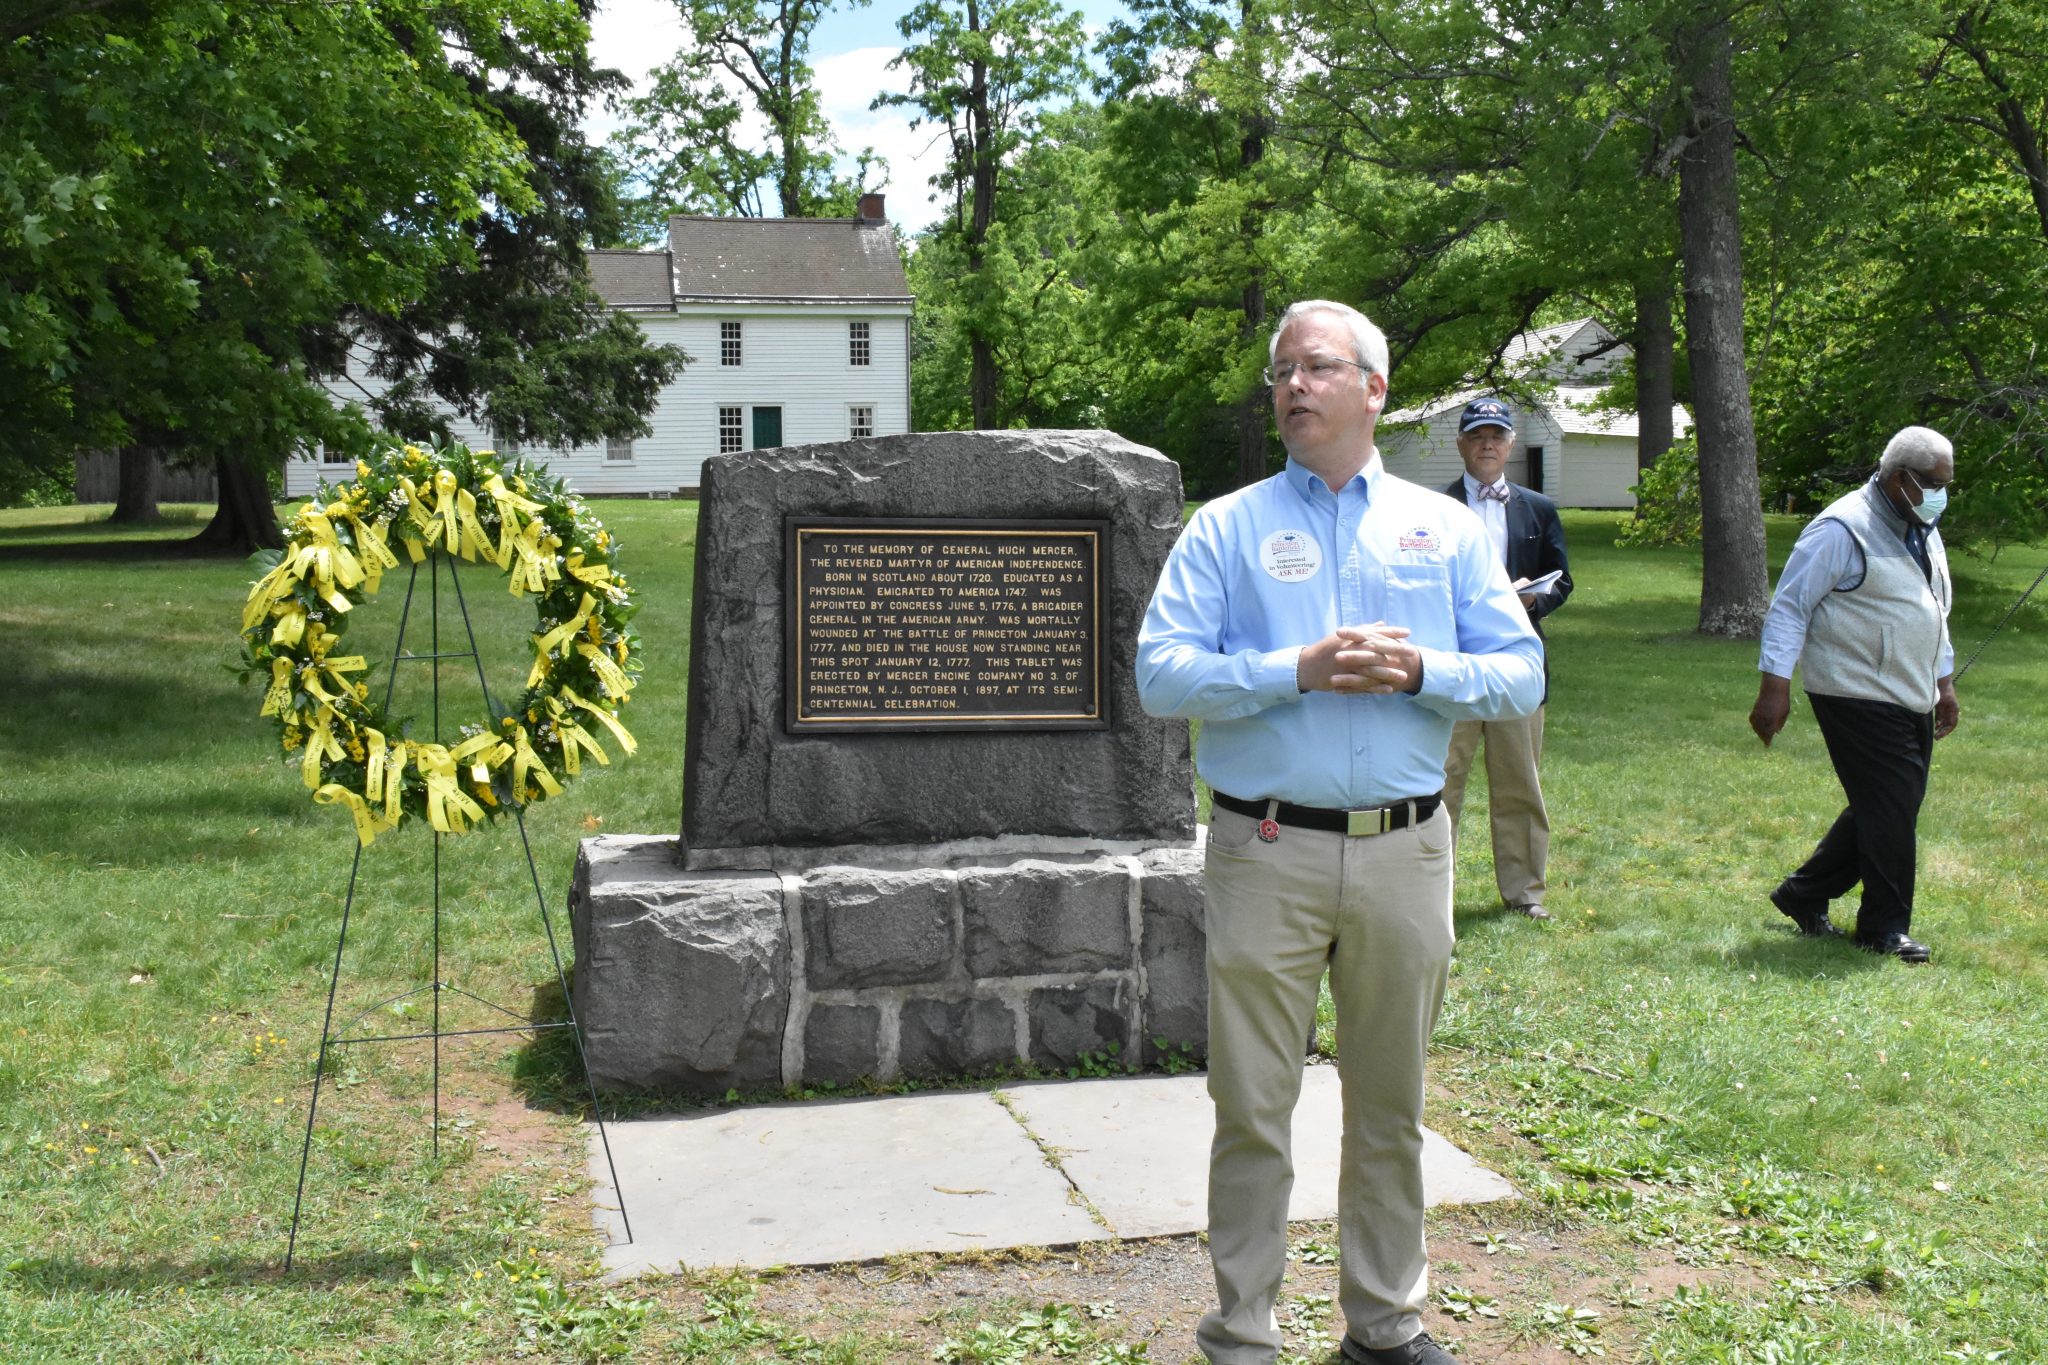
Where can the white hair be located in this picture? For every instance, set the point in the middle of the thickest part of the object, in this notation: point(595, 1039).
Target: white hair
point(1368, 343)
point(1916, 448)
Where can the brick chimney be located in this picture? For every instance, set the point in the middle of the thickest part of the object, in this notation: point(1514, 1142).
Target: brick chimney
point(871, 208)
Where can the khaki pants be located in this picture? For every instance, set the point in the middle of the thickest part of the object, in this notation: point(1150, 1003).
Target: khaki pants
point(1377, 912)
point(1521, 825)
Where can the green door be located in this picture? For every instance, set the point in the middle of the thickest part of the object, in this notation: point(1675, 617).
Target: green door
point(767, 428)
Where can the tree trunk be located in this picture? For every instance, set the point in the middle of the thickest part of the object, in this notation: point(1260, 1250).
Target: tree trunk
point(1252, 447)
point(981, 379)
point(1734, 583)
point(136, 499)
point(1653, 371)
point(245, 519)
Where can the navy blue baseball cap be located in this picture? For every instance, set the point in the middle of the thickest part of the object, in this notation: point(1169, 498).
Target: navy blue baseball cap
point(1485, 412)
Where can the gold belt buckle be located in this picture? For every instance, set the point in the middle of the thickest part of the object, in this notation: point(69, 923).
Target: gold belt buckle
point(1362, 822)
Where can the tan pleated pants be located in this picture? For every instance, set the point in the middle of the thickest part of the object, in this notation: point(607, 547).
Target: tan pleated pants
point(1376, 911)
point(1521, 824)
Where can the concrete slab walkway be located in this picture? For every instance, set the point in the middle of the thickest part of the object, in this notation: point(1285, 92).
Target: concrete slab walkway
point(846, 1180)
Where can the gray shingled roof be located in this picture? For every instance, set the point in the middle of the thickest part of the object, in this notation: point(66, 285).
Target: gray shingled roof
point(631, 279)
point(786, 258)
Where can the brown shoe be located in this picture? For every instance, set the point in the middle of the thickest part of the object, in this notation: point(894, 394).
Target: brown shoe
point(1532, 910)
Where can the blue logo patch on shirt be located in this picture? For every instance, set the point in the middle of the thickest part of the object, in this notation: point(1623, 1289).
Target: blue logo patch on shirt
point(1421, 538)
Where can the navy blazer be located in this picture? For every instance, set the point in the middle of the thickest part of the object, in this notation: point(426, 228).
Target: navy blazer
point(1535, 544)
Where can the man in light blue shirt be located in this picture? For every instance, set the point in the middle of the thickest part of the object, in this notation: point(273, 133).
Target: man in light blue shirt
point(1328, 626)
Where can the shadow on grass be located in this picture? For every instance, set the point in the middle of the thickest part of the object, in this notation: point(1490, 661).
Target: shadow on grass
point(548, 1074)
point(1785, 953)
point(66, 1275)
point(41, 547)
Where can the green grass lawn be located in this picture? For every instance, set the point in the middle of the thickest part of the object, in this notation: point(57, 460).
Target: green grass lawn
point(1666, 1062)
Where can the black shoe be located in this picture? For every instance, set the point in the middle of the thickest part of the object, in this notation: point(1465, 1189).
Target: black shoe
point(1812, 920)
point(1419, 1350)
point(1895, 945)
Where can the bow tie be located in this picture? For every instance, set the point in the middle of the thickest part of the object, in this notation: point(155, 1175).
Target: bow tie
point(1497, 491)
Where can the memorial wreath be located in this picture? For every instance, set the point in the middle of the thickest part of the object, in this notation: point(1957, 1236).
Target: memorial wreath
point(451, 501)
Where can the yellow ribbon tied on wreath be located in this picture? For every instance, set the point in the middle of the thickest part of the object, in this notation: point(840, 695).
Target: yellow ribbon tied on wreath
point(459, 504)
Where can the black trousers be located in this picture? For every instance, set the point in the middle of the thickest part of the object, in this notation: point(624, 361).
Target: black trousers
point(1880, 752)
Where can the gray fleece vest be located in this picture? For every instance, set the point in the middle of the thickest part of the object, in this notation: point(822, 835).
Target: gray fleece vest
point(1880, 640)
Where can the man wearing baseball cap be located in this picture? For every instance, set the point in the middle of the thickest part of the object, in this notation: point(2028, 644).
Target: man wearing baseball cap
point(1526, 535)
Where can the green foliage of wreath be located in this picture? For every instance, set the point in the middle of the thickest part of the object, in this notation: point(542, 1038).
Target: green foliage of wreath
point(453, 501)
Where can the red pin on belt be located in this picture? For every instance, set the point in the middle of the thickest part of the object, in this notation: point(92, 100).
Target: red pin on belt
point(1269, 831)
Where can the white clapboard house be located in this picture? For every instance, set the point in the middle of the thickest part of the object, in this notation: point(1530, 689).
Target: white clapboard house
point(1566, 444)
point(798, 329)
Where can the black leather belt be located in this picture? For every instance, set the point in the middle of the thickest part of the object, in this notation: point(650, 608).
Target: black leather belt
point(1372, 820)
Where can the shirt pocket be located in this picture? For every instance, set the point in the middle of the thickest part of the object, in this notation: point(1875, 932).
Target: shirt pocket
point(1418, 596)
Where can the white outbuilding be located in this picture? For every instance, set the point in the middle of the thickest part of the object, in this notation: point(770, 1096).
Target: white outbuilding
point(1566, 444)
point(798, 331)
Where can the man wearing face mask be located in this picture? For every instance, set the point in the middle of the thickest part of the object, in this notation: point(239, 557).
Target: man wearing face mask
point(1862, 610)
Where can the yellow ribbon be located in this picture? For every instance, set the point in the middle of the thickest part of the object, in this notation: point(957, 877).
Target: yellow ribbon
point(514, 518)
point(445, 511)
point(325, 560)
point(589, 573)
point(525, 761)
point(483, 752)
point(447, 803)
point(371, 538)
point(268, 589)
point(611, 722)
point(474, 540)
point(278, 700)
point(610, 674)
point(417, 511)
point(290, 627)
point(321, 745)
point(534, 567)
point(386, 779)
point(574, 737)
point(545, 645)
point(367, 824)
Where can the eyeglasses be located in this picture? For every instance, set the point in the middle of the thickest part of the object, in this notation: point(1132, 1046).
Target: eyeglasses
point(1924, 486)
point(1317, 368)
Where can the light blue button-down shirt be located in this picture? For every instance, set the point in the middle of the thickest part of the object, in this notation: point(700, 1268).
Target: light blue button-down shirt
point(1261, 573)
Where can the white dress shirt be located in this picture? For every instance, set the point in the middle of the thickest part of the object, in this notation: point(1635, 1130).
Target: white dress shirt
point(1493, 514)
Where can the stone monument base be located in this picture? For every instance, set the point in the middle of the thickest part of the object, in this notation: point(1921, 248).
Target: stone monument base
point(824, 965)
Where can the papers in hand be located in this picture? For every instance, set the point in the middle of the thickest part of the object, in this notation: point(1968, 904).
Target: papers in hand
point(1526, 586)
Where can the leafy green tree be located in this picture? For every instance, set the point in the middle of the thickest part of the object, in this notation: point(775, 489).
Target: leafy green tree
point(692, 142)
point(1195, 85)
point(983, 70)
point(203, 205)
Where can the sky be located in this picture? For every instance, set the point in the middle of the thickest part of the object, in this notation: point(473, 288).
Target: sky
point(850, 52)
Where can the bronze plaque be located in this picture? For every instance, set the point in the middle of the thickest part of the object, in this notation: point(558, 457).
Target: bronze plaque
point(907, 624)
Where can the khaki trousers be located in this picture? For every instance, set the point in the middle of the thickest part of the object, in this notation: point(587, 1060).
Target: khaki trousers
point(1376, 911)
point(1521, 825)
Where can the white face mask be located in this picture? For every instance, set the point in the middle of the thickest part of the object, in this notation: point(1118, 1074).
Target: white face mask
point(1933, 501)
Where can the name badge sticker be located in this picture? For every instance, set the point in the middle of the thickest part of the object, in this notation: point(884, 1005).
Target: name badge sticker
point(1423, 538)
point(1291, 556)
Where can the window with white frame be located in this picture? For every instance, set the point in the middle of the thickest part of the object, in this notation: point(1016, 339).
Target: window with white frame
point(859, 351)
point(502, 443)
point(860, 419)
point(731, 430)
point(329, 455)
point(728, 343)
point(618, 448)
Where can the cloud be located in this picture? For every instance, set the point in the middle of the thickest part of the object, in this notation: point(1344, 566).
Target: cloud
point(847, 84)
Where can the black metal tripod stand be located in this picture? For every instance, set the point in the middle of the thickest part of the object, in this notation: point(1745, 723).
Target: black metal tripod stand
point(345, 1036)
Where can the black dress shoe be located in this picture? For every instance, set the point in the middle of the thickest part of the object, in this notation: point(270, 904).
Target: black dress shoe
point(1418, 1350)
point(1812, 920)
point(1895, 945)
